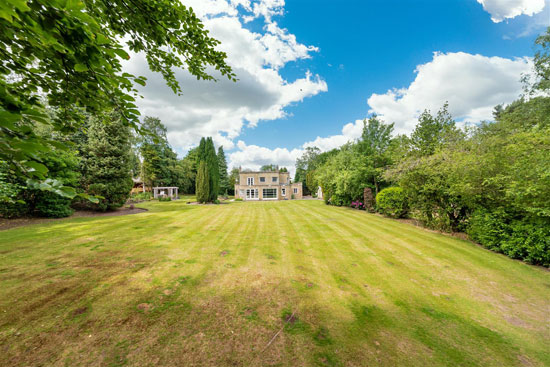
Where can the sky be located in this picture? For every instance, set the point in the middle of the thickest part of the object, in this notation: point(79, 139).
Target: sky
point(310, 71)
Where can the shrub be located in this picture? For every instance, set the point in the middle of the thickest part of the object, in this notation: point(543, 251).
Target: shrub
point(216, 201)
point(142, 196)
point(517, 236)
point(238, 199)
point(165, 198)
point(357, 205)
point(392, 202)
point(114, 194)
point(51, 205)
point(340, 200)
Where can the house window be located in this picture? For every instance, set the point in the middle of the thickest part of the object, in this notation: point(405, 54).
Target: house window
point(251, 193)
point(283, 192)
point(250, 181)
point(269, 193)
point(241, 193)
point(295, 190)
point(262, 179)
point(273, 179)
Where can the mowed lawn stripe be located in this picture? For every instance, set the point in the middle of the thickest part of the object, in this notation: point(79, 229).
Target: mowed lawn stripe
point(211, 285)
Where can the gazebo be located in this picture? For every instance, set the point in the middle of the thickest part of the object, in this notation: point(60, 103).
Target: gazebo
point(171, 192)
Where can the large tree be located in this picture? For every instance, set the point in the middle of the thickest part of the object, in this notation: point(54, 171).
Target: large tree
point(374, 143)
point(213, 169)
point(67, 55)
point(107, 162)
point(222, 163)
point(159, 162)
point(434, 131)
point(203, 183)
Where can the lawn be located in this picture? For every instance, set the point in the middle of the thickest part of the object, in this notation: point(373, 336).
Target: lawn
point(263, 284)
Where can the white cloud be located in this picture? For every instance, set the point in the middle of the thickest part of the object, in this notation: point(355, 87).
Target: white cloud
point(350, 133)
point(472, 84)
point(507, 9)
point(253, 157)
point(222, 109)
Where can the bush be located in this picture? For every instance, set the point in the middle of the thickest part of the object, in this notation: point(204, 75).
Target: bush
point(517, 236)
point(51, 205)
point(115, 193)
point(165, 198)
point(216, 201)
point(392, 202)
point(238, 199)
point(142, 196)
point(357, 205)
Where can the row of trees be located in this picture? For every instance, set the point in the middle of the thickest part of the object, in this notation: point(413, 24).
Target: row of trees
point(104, 158)
point(491, 180)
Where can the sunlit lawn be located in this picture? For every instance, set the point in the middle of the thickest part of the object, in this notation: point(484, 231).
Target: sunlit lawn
point(190, 285)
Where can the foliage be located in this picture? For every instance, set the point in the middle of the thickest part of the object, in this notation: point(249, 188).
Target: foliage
point(224, 179)
point(142, 196)
point(433, 131)
point(233, 178)
point(164, 198)
point(515, 236)
point(23, 199)
point(357, 205)
point(70, 52)
point(211, 159)
point(373, 145)
point(268, 168)
point(392, 202)
point(106, 164)
point(63, 166)
point(203, 183)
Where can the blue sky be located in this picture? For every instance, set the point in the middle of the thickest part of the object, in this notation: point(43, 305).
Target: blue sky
point(369, 47)
point(311, 70)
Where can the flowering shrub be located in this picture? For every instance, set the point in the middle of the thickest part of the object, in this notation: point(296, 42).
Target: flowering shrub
point(357, 205)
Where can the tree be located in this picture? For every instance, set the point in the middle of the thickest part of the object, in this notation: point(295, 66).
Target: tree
point(67, 55)
point(203, 183)
point(160, 164)
point(106, 161)
point(374, 143)
point(233, 179)
point(222, 163)
point(542, 62)
point(213, 169)
point(268, 168)
point(306, 163)
point(432, 132)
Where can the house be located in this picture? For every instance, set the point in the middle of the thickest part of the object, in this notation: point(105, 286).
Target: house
point(266, 185)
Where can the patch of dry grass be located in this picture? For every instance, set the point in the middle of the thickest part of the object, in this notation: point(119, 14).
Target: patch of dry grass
point(212, 285)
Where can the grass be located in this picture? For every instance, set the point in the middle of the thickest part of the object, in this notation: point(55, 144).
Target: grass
point(211, 286)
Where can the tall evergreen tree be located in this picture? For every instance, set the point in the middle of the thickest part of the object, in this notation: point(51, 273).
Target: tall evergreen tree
point(213, 169)
point(222, 164)
point(202, 183)
point(106, 162)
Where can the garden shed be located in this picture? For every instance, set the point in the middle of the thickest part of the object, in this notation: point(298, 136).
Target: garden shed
point(171, 192)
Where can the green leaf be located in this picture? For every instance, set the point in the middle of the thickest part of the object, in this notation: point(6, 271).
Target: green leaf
point(39, 167)
point(80, 68)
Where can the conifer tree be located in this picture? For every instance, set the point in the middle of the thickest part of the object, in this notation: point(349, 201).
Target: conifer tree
point(106, 161)
point(222, 164)
point(213, 169)
point(202, 183)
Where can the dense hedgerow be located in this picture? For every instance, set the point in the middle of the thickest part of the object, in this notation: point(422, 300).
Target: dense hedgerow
point(519, 237)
